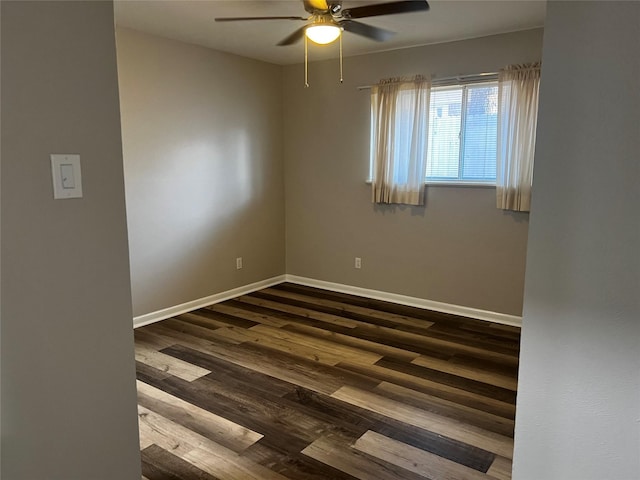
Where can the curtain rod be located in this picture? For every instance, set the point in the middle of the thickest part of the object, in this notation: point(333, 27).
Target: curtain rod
point(447, 80)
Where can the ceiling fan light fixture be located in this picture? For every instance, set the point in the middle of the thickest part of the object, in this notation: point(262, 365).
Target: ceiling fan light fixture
point(323, 34)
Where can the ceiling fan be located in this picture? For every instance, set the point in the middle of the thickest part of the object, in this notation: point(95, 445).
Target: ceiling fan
point(327, 19)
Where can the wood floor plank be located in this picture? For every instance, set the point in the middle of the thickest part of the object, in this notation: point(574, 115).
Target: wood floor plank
point(204, 394)
point(472, 416)
point(251, 391)
point(390, 337)
point(300, 311)
point(247, 314)
point(244, 470)
point(372, 332)
point(445, 378)
point(500, 469)
point(214, 427)
point(401, 309)
point(493, 442)
point(168, 364)
point(339, 454)
point(430, 387)
point(343, 339)
point(162, 465)
point(355, 421)
point(347, 307)
point(188, 338)
point(478, 374)
point(202, 320)
point(361, 318)
point(407, 341)
point(155, 471)
point(145, 441)
point(476, 331)
point(200, 451)
point(261, 409)
point(155, 342)
point(343, 352)
point(289, 368)
point(189, 328)
point(224, 370)
point(257, 336)
point(506, 328)
point(438, 318)
point(229, 320)
point(293, 465)
point(454, 450)
point(162, 433)
point(413, 459)
point(491, 339)
point(148, 374)
point(490, 366)
point(458, 348)
point(422, 343)
point(270, 414)
point(279, 366)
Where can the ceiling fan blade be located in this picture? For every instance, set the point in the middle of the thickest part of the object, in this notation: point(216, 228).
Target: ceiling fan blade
point(374, 33)
point(293, 38)
point(238, 19)
point(312, 6)
point(390, 8)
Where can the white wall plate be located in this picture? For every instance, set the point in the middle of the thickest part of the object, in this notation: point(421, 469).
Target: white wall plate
point(67, 177)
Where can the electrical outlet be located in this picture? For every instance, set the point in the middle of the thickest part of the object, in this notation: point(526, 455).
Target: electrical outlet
point(238, 263)
point(358, 263)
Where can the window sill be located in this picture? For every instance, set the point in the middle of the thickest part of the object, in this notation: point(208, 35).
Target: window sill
point(460, 184)
point(454, 184)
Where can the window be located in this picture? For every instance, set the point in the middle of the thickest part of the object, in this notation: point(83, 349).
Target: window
point(463, 123)
point(462, 137)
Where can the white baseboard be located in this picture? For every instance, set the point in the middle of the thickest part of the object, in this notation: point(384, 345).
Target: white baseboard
point(469, 312)
point(169, 312)
point(501, 318)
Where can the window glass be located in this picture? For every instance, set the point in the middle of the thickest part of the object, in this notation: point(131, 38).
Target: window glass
point(478, 159)
point(444, 134)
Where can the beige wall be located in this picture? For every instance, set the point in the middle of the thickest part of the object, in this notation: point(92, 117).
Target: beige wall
point(202, 144)
point(578, 412)
point(459, 249)
point(204, 135)
point(68, 389)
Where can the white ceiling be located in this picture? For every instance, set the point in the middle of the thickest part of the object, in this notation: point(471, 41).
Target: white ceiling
point(193, 22)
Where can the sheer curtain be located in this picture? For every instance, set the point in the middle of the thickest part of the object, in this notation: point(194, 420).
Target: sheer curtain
point(518, 87)
point(400, 116)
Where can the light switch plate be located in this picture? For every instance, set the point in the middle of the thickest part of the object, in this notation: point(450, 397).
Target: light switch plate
point(67, 177)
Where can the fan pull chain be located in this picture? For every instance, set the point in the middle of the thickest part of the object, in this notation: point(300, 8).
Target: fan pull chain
point(306, 62)
point(341, 79)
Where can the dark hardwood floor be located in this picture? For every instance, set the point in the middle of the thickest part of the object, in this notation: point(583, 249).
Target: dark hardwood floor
point(293, 382)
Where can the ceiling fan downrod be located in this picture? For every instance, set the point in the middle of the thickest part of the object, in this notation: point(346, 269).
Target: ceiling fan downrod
point(306, 61)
